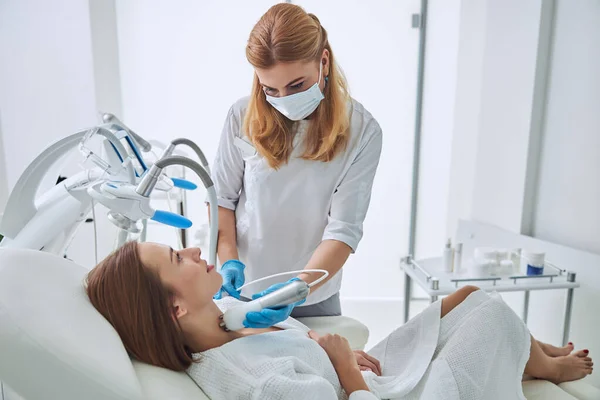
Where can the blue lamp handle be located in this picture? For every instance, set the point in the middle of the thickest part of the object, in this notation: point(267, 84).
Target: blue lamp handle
point(171, 219)
point(184, 184)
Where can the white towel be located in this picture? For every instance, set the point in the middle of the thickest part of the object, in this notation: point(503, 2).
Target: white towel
point(478, 351)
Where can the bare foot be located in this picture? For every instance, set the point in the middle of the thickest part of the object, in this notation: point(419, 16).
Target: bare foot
point(554, 351)
point(572, 367)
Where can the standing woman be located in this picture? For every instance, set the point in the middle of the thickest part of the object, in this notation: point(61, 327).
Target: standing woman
point(294, 167)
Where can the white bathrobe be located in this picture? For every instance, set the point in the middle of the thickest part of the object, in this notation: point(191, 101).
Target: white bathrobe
point(477, 351)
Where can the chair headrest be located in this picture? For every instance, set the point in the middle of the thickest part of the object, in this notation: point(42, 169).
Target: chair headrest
point(53, 342)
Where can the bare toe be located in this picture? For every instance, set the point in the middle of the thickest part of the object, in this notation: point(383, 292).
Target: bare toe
point(554, 351)
point(582, 353)
point(572, 367)
point(569, 347)
point(564, 351)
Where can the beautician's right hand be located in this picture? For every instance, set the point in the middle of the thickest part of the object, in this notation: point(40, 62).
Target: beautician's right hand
point(233, 278)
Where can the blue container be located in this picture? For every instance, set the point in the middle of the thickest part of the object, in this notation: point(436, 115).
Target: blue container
point(534, 270)
point(535, 262)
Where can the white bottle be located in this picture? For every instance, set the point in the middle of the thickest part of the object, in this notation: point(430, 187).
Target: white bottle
point(457, 258)
point(534, 262)
point(516, 260)
point(447, 257)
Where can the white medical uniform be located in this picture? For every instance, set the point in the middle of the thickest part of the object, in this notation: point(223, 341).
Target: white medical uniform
point(283, 214)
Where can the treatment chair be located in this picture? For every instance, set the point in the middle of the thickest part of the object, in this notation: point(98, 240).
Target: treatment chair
point(55, 345)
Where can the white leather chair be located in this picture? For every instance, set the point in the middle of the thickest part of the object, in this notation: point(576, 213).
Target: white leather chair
point(55, 345)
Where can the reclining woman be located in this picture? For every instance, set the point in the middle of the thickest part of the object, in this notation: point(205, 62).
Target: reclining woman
point(470, 345)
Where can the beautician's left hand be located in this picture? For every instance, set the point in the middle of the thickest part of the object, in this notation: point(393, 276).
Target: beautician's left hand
point(270, 316)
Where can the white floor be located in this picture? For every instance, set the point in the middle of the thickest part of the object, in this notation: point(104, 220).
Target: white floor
point(380, 315)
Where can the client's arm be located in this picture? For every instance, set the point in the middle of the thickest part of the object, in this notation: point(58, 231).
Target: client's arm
point(344, 361)
point(290, 385)
point(227, 373)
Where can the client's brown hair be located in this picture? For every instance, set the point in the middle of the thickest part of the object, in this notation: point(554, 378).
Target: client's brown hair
point(133, 299)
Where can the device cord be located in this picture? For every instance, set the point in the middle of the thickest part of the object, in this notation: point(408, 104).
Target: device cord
point(95, 232)
point(179, 243)
point(324, 272)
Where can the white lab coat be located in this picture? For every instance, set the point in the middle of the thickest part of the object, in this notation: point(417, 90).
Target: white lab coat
point(283, 215)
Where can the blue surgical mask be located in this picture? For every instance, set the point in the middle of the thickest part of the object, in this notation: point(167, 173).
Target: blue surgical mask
point(299, 105)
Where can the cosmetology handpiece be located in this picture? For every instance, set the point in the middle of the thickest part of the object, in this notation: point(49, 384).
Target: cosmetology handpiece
point(129, 203)
point(150, 179)
point(109, 118)
point(294, 291)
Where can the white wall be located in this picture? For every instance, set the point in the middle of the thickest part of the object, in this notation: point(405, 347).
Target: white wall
point(439, 95)
point(3, 178)
point(509, 67)
point(525, 141)
point(467, 108)
point(105, 52)
point(499, 100)
point(47, 81)
point(568, 195)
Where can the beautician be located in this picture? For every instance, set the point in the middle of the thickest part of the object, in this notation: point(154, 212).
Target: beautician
point(295, 166)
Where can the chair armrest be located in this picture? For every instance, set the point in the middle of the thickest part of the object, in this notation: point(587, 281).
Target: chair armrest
point(353, 330)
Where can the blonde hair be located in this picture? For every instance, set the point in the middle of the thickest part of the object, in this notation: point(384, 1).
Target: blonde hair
point(286, 33)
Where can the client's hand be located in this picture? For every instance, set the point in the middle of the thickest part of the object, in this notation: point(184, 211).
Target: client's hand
point(338, 349)
point(367, 363)
point(233, 278)
point(343, 359)
point(270, 316)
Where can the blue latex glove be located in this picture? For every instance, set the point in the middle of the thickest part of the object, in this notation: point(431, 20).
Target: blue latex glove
point(270, 316)
point(233, 278)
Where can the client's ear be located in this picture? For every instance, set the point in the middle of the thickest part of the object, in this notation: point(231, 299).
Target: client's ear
point(178, 308)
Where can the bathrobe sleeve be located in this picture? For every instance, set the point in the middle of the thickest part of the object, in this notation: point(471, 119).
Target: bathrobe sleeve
point(362, 395)
point(301, 386)
point(291, 385)
point(225, 376)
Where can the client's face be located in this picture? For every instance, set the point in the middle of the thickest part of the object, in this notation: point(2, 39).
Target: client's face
point(185, 273)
